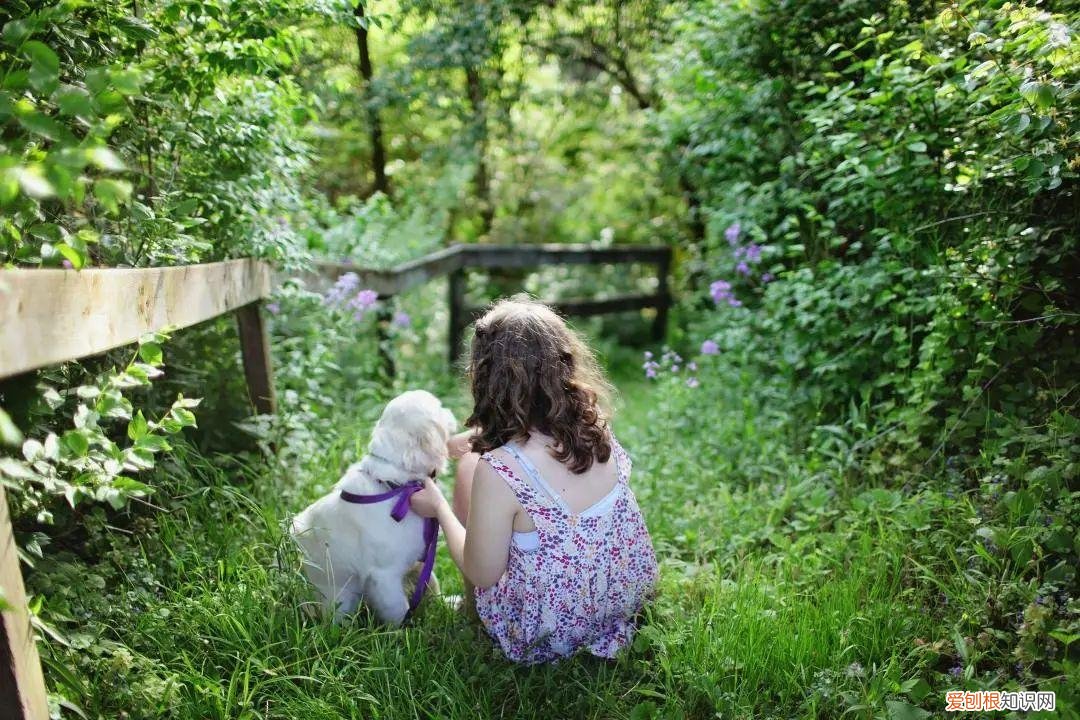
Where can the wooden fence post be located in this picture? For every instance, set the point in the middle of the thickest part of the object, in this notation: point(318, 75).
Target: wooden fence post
point(663, 290)
point(384, 316)
point(458, 321)
point(22, 686)
point(255, 351)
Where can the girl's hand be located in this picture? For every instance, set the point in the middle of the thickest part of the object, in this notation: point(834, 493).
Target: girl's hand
point(427, 502)
point(459, 444)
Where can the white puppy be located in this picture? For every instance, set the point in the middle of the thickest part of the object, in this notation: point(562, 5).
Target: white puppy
point(358, 553)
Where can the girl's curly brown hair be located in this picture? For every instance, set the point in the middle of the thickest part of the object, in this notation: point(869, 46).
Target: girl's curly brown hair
point(529, 371)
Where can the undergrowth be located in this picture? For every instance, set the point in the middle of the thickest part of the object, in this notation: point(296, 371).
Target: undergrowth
point(790, 588)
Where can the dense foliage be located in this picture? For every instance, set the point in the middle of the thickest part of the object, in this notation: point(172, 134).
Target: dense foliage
point(857, 452)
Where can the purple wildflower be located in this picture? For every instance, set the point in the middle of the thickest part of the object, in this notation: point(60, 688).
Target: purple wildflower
point(720, 291)
point(345, 286)
point(956, 670)
point(692, 367)
point(767, 278)
point(692, 382)
point(362, 302)
point(753, 253)
point(733, 302)
point(401, 319)
point(709, 347)
point(67, 264)
point(364, 299)
point(273, 308)
point(742, 268)
point(650, 372)
point(648, 355)
point(674, 368)
point(732, 233)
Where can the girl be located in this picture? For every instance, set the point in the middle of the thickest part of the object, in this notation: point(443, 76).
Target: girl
point(552, 537)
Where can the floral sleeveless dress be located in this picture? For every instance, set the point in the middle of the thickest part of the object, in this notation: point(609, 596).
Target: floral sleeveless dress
point(582, 584)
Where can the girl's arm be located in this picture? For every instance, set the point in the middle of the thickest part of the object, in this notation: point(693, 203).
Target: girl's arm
point(460, 444)
point(482, 552)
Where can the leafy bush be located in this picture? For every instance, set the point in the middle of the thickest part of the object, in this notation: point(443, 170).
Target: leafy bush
point(890, 205)
point(162, 135)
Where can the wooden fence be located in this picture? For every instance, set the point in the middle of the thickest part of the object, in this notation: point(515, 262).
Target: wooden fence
point(457, 260)
point(52, 316)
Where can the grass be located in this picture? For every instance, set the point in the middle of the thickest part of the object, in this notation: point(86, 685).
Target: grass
point(787, 591)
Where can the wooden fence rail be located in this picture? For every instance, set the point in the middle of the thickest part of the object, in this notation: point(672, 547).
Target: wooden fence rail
point(456, 260)
point(51, 316)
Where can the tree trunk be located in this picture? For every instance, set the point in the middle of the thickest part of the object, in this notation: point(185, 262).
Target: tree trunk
point(481, 179)
point(378, 149)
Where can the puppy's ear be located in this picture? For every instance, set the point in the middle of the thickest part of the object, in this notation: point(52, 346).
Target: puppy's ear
point(425, 449)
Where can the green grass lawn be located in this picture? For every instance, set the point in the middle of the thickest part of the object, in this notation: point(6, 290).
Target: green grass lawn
point(785, 592)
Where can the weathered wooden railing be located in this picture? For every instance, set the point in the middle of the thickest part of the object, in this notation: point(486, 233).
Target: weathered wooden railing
point(455, 261)
point(52, 316)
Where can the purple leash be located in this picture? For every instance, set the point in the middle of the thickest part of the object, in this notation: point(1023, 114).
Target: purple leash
point(398, 512)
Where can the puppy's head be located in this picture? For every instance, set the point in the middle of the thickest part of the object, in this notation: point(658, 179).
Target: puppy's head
point(412, 432)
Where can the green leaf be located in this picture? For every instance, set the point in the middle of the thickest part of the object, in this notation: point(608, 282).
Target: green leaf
point(33, 182)
point(150, 353)
point(16, 80)
point(1039, 94)
point(130, 487)
point(75, 442)
point(44, 66)
point(52, 398)
point(9, 433)
point(151, 443)
point(105, 158)
point(33, 450)
point(138, 427)
point(16, 31)
point(899, 710)
point(15, 469)
point(150, 372)
point(39, 123)
point(74, 256)
point(52, 447)
point(1064, 638)
point(643, 710)
point(916, 689)
point(9, 186)
point(112, 193)
point(127, 82)
point(918, 147)
point(73, 101)
point(186, 418)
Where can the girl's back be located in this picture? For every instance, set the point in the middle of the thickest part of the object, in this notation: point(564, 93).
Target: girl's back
point(581, 562)
point(577, 492)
